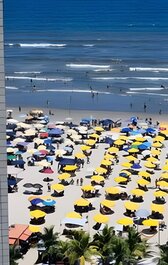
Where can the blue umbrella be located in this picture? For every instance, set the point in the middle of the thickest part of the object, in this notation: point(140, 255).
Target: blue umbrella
point(68, 149)
point(18, 162)
point(150, 130)
point(125, 130)
point(55, 131)
point(142, 147)
point(47, 141)
point(142, 213)
point(136, 166)
point(49, 202)
point(36, 201)
point(123, 174)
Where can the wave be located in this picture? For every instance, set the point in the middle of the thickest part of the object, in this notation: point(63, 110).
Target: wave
point(146, 88)
point(68, 79)
point(86, 66)
point(153, 69)
point(11, 87)
point(149, 94)
point(88, 45)
point(103, 70)
point(73, 90)
point(129, 77)
point(36, 45)
point(22, 73)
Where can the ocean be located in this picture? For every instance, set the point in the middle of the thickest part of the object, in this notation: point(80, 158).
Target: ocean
point(81, 54)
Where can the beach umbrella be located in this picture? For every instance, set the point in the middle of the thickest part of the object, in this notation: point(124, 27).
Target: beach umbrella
point(143, 182)
point(144, 174)
point(142, 147)
point(23, 125)
point(85, 147)
point(98, 129)
point(10, 150)
point(32, 151)
point(119, 142)
point(136, 166)
point(146, 153)
point(44, 163)
point(68, 149)
point(108, 157)
point(132, 206)
point(120, 179)
point(57, 187)
point(70, 167)
point(162, 184)
point(34, 229)
point(126, 164)
point(73, 215)
point(149, 165)
point(125, 221)
point(159, 138)
point(33, 197)
point(30, 132)
point(68, 142)
point(76, 137)
point(82, 202)
point(113, 150)
point(37, 214)
point(94, 135)
point(138, 192)
point(140, 139)
point(28, 185)
point(87, 188)
point(64, 176)
point(125, 130)
point(100, 218)
point(130, 158)
point(90, 142)
point(123, 137)
point(164, 175)
point(125, 173)
point(160, 193)
point(155, 152)
point(133, 150)
point(72, 131)
point(37, 186)
point(38, 141)
point(60, 152)
point(97, 178)
point(80, 155)
point(157, 208)
point(100, 170)
point(11, 157)
point(41, 147)
point(157, 144)
point(36, 201)
point(19, 140)
point(108, 204)
point(152, 159)
point(49, 202)
point(113, 190)
point(142, 213)
point(150, 222)
point(43, 152)
point(106, 163)
point(165, 167)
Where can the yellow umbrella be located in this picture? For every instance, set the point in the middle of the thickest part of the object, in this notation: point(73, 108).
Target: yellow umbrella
point(164, 175)
point(162, 183)
point(37, 214)
point(152, 159)
point(106, 163)
point(94, 135)
point(34, 229)
point(159, 138)
point(133, 150)
point(143, 182)
point(126, 172)
point(70, 167)
point(155, 152)
point(90, 142)
point(165, 132)
point(157, 144)
point(131, 158)
point(120, 179)
point(98, 129)
point(41, 147)
point(123, 137)
point(82, 202)
point(108, 156)
point(87, 188)
point(165, 167)
point(137, 143)
point(149, 165)
point(85, 147)
point(58, 187)
point(113, 150)
point(132, 206)
point(119, 142)
point(107, 203)
point(64, 176)
point(143, 174)
point(74, 215)
point(80, 155)
point(160, 193)
point(126, 164)
point(100, 218)
point(113, 190)
point(125, 221)
point(150, 222)
point(137, 192)
point(97, 178)
point(157, 208)
point(140, 139)
point(101, 170)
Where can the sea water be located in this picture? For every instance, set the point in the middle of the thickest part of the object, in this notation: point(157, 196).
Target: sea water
point(87, 54)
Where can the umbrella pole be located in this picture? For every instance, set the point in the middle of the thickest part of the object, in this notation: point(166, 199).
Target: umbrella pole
point(159, 234)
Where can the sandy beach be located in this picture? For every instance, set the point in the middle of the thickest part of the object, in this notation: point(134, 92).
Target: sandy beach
point(18, 202)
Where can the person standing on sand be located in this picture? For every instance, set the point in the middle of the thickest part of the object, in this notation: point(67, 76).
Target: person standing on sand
point(20, 109)
point(49, 186)
point(145, 107)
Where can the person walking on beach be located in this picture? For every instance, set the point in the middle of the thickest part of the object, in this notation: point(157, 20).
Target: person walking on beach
point(77, 182)
point(20, 109)
point(81, 181)
point(145, 107)
point(49, 186)
point(160, 112)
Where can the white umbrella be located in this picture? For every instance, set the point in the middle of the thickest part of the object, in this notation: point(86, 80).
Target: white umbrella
point(12, 121)
point(146, 152)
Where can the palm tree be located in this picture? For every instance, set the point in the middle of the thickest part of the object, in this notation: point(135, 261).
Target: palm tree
point(80, 249)
point(164, 255)
point(15, 254)
point(136, 246)
point(119, 251)
point(104, 241)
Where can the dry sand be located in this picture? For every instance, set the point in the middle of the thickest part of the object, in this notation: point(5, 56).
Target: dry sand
point(18, 202)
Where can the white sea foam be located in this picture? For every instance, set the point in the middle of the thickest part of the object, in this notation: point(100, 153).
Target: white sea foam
point(146, 88)
point(73, 90)
point(36, 45)
point(110, 78)
point(145, 93)
point(86, 66)
point(153, 69)
point(88, 45)
point(129, 77)
point(103, 70)
point(29, 72)
point(68, 79)
point(12, 87)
